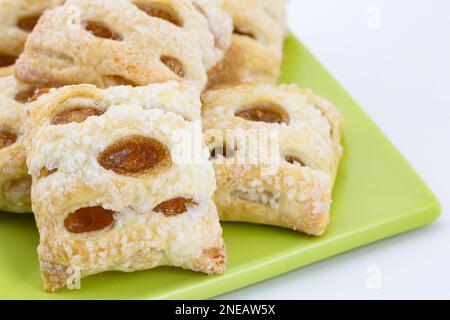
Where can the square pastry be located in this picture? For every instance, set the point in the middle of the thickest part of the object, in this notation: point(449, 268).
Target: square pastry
point(15, 183)
point(112, 186)
point(276, 151)
point(255, 54)
point(120, 42)
point(17, 20)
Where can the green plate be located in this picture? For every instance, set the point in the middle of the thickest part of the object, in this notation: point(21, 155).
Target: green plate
point(377, 195)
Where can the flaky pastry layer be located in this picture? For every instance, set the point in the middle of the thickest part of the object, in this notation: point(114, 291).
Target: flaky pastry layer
point(293, 188)
point(124, 42)
point(140, 236)
point(15, 183)
point(255, 54)
point(17, 19)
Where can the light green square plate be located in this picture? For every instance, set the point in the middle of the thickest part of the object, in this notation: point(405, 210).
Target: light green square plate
point(377, 195)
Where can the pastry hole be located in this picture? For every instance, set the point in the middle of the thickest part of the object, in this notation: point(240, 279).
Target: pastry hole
point(7, 60)
point(46, 172)
point(17, 191)
point(222, 151)
point(38, 93)
point(116, 80)
point(76, 114)
point(24, 96)
point(295, 161)
point(136, 155)
point(268, 113)
point(161, 11)
point(100, 30)
point(175, 206)
point(31, 95)
point(89, 220)
point(28, 23)
point(174, 65)
point(7, 138)
point(244, 33)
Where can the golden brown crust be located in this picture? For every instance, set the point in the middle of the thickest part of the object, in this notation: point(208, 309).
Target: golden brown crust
point(292, 187)
point(113, 43)
point(139, 238)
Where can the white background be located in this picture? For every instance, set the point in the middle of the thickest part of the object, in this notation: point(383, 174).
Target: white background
point(399, 72)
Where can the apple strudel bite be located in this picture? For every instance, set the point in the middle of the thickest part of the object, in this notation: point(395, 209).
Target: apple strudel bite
point(121, 42)
point(275, 151)
point(111, 190)
point(17, 20)
point(255, 54)
point(15, 182)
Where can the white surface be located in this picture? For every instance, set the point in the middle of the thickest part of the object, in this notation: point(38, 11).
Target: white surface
point(399, 72)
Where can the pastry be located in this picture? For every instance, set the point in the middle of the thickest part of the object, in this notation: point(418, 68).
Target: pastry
point(221, 27)
point(275, 151)
point(120, 42)
point(14, 180)
point(256, 51)
point(111, 189)
point(17, 20)
point(277, 10)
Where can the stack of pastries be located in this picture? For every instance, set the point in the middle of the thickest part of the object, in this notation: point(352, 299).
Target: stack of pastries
point(130, 127)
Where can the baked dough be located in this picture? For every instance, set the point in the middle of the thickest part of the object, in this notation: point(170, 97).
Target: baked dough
point(221, 27)
point(15, 183)
point(17, 19)
point(288, 185)
point(277, 10)
point(110, 189)
point(7, 71)
point(120, 42)
point(255, 54)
